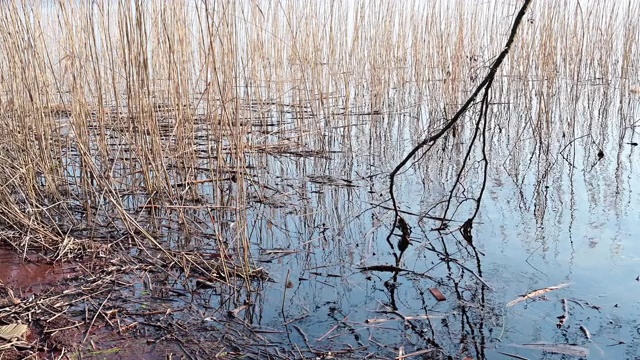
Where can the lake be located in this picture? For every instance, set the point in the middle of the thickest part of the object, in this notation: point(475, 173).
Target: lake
point(237, 157)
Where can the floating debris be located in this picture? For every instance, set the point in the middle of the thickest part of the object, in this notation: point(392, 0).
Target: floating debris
point(564, 317)
point(437, 294)
point(536, 293)
point(565, 349)
point(586, 332)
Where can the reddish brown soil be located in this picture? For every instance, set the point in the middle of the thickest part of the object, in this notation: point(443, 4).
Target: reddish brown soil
point(29, 275)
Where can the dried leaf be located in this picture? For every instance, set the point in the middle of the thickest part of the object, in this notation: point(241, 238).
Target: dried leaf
point(437, 294)
point(536, 293)
point(12, 331)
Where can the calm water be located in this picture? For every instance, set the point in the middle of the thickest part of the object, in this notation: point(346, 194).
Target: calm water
point(553, 213)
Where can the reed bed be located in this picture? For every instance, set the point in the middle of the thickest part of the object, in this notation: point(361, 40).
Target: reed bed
point(105, 100)
point(156, 127)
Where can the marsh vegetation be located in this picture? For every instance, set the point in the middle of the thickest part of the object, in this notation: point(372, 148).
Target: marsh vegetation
point(211, 178)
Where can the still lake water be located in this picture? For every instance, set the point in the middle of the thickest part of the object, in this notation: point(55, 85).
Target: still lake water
point(554, 212)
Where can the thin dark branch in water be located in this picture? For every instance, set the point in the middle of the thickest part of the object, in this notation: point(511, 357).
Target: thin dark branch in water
point(422, 216)
point(486, 83)
point(466, 227)
point(393, 269)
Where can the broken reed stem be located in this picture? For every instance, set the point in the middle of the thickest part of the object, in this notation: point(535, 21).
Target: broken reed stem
point(95, 316)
